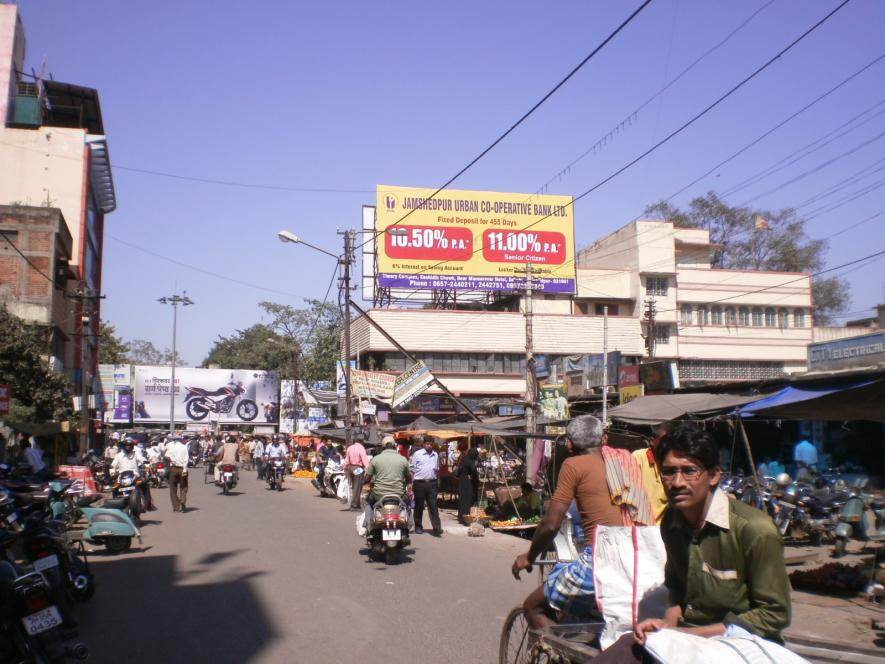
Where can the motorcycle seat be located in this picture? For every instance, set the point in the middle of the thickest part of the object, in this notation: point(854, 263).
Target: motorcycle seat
point(114, 503)
point(200, 392)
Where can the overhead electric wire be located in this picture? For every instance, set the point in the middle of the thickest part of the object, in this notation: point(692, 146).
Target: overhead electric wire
point(199, 269)
point(842, 184)
point(682, 128)
point(657, 94)
point(855, 225)
point(524, 116)
point(845, 200)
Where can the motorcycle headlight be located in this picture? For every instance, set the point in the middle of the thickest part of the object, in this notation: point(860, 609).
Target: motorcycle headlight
point(127, 481)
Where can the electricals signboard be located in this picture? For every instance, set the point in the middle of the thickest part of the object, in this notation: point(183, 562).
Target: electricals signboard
point(474, 240)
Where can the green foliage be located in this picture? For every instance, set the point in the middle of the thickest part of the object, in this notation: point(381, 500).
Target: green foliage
point(39, 393)
point(296, 343)
point(141, 351)
point(111, 348)
point(752, 239)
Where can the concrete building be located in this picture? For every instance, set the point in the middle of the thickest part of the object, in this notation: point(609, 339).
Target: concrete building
point(54, 155)
point(714, 324)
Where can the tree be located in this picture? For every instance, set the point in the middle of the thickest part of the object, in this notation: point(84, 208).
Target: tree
point(751, 239)
point(142, 351)
point(257, 347)
point(39, 393)
point(111, 348)
point(314, 330)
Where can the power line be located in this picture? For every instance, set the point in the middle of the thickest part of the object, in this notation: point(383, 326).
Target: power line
point(523, 118)
point(847, 182)
point(199, 269)
point(628, 119)
point(845, 200)
point(855, 225)
point(672, 134)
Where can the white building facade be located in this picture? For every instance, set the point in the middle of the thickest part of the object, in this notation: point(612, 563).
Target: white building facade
point(716, 325)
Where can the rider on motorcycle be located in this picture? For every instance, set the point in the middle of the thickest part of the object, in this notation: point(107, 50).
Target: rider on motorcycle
point(229, 454)
point(389, 473)
point(276, 450)
point(128, 459)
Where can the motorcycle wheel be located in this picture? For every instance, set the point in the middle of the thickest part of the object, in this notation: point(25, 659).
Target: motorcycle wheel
point(839, 547)
point(117, 544)
point(391, 556)
point(247, 410)
point(195, 411)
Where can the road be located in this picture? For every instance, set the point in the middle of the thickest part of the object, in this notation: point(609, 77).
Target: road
point(264, 576)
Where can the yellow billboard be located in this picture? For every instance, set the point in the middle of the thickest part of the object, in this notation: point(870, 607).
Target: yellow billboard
point(473, 240)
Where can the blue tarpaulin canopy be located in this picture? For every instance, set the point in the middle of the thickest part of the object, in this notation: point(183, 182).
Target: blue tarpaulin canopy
point(858, 400)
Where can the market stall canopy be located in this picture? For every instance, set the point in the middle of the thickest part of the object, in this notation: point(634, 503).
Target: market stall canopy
point(423, 424)
point(658, 408)
point(335, 434)
point(863, 400)
point(319, 397)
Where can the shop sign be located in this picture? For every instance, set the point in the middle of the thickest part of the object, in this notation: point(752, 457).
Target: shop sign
point(473, 240)
point(341, 376)
point(628, 374)
point(372, 384)
point(368, 409)
point(861, 351)
point(5, 398)
point(410, 384)
point(658, 375)
point(627, 393)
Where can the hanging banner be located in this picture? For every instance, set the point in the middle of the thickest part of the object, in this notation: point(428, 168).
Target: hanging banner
point(372, 384)
point(288, 406)
point(554, 405)
point(474, 240)
point(234, 396)
point(409, 384)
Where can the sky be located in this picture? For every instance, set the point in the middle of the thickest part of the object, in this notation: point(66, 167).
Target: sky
point(341, 97)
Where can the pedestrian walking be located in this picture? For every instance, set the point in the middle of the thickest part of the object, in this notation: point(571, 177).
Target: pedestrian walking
point(176, 452)
point(258, 455)
point(468, 483)
point(424, 465)
point(355, 460)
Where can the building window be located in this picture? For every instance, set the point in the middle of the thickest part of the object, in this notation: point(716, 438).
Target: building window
point(703, 316)
point(656, 286)
point(770, 317)
point(758, 317)
point(730, 318)
point(582, 308)
point(743, 316)
point(717, 370)
point(717, 315)
point(662, 334)
point(783, 318)
point(799, 318)
point(9, 239)
point(686, 314)
point(612, 309)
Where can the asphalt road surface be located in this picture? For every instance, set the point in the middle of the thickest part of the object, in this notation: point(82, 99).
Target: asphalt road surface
point(261, 576)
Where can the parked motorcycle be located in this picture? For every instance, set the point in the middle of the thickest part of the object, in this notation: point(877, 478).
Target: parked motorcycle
point(276, 473)
point(861, 517)
point(199, 402)
point(30, 624)
point(388, 533)
point(228, 479)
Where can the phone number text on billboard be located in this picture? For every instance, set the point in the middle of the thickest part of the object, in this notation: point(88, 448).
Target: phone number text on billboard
point(467, 282)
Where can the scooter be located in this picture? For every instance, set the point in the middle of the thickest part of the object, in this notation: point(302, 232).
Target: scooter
point(862, 517)
point(276, 472)
point(228, 478)
point(388, 533)
point(332, 477)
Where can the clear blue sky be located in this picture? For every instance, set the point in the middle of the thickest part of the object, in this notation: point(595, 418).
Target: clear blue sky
point(351, 94)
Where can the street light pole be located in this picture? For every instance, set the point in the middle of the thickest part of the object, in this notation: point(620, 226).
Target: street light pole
point(174, 300)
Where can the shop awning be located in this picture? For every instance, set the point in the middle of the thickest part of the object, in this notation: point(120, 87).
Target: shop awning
point(863, 400)
point(658, 408)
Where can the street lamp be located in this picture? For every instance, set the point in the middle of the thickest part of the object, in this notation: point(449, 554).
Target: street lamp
point(344, 260)
point(175, 300)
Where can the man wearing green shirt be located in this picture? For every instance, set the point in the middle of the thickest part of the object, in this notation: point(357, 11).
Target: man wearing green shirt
point(389, 473)
point(725, 560)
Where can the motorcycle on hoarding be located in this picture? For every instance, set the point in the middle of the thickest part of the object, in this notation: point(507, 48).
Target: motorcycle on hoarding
point(199, 402)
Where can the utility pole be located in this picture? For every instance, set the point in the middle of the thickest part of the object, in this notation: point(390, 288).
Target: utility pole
point(531, 380)
point(650, 312)
point(346, 261)
point(605, 365)
point(86, 296)
point(175, 300)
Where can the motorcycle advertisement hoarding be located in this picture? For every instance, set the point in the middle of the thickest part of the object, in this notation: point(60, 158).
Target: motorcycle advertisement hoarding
point(232, 396)
point(473, 240)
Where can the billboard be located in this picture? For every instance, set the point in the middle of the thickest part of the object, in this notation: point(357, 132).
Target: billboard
point(115, 393)
point(229, 396)
point(473, 240)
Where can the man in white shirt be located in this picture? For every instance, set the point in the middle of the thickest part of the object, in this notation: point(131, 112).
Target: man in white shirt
point(805, 456)
point(177, 453)
point(33, 455)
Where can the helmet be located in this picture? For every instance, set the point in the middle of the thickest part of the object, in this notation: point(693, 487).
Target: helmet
point(783, 480)
point(127, 442)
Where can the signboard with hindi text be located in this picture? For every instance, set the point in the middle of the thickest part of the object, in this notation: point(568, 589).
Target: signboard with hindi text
point(473, 240)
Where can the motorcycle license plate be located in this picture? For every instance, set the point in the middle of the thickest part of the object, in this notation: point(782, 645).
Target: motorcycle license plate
point(227, 476)
point(391, 535)
point(41, 621)
point(43, 564)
